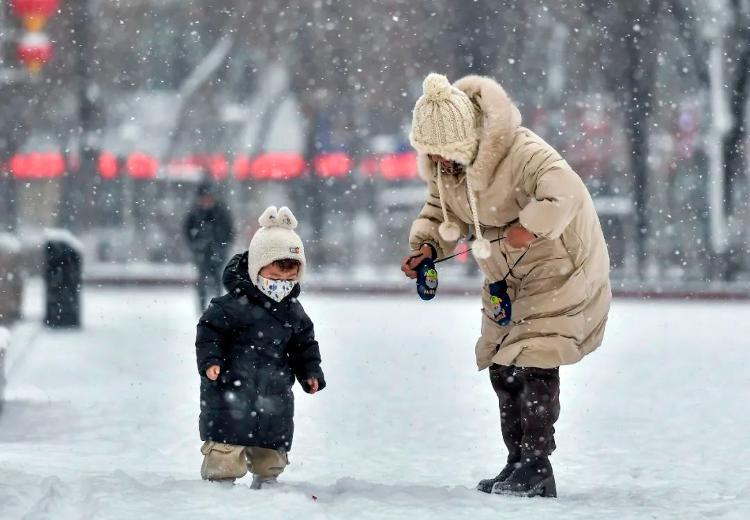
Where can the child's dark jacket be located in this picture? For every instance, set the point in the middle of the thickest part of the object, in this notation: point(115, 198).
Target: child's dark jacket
point(261, 346)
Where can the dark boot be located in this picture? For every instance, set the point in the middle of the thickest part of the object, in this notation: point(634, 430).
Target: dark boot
point(532, 478)
point(486, 485)
point(508, 389)
point(540, 409)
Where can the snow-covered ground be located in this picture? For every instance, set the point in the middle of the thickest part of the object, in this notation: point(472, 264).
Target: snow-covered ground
point(102, 422)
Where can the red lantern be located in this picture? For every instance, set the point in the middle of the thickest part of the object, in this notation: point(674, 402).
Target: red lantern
point(399, 166)
point(108, 167)
point(332, 165)
point(34, 50)
point(218, 166)
point(141, 166)
point(277, 166)
point(34, 12)
point(32, 166)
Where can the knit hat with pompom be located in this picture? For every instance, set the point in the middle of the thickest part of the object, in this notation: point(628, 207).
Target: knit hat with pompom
point(445, 121)
point(275, 240)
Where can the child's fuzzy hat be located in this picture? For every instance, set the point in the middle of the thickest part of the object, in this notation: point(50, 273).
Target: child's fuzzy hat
point(275, 240)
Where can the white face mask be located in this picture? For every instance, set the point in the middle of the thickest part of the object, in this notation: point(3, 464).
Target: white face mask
point(277, 290)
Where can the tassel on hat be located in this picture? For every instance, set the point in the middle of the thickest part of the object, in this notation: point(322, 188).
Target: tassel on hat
point(449, 231)
point(481, 247)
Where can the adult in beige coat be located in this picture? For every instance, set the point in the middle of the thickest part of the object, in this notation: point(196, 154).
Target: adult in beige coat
point(534, 226)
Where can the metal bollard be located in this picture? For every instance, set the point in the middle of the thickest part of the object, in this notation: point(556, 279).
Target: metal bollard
point(62, 278)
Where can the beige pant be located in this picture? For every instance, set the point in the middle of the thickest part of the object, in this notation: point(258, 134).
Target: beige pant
point(228, 461)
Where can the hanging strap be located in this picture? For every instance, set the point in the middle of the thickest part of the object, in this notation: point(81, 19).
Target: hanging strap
point(473, 207)
point(510, 268)
point(440, 192)
point(466, 251)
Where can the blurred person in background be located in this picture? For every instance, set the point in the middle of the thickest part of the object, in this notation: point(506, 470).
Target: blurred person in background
point(538, 241)
point(209, 231)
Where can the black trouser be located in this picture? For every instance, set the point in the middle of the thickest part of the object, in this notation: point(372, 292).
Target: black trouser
point(529, 401)
point(209, 280)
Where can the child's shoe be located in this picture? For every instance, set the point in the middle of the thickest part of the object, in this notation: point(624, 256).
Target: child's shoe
point(223, 482)
point(260, 482)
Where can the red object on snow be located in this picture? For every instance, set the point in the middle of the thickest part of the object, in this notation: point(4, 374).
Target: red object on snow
point(108, 168)
point(272, 166)
point(332, 165)
point(34, 50)
point(34, 166)
point(141, 166)
point(399, 166)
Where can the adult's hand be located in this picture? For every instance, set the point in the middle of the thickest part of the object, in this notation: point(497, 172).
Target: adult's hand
point(410, 262)
point(519, 237)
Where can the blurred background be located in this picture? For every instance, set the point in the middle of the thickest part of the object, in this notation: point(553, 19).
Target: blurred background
point(112, 113)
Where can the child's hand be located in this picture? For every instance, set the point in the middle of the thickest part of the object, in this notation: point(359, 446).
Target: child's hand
point(313, 384)
point(212, 372)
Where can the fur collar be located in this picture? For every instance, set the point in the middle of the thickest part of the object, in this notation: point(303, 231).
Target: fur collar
point(500, 119)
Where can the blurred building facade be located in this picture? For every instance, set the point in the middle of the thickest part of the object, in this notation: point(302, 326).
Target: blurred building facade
point(309, 103)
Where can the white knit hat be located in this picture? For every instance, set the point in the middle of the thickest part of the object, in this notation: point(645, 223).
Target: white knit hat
point(275, 240)
point(445, 121)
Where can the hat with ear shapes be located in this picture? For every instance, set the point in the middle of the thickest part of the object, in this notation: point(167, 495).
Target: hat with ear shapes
point(275, 240)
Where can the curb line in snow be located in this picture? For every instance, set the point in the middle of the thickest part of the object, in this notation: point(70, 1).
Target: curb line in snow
point(372, 288)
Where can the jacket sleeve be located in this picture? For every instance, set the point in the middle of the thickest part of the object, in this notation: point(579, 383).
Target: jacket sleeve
point(557, 191)
point(214, 329)
point(424, 230)
point(304, 356)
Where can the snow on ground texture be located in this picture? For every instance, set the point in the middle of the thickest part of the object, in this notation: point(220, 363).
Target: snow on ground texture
point(102, 423)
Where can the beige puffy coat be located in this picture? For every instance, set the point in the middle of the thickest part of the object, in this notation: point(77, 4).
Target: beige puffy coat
point(560, 290)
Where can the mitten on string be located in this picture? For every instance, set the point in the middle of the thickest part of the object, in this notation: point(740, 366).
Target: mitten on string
point(427, 279)
point(500, 302)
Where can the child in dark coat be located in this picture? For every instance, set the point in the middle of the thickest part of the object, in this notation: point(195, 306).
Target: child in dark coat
point(251, 345)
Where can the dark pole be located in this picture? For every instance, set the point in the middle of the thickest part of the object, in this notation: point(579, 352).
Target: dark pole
point(13, 127)
point(79, 186)
point(637, 110)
